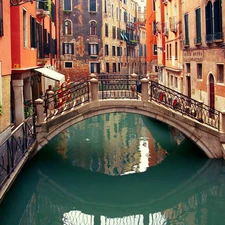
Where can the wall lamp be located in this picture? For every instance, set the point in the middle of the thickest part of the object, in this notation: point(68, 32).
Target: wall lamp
point(21, 2)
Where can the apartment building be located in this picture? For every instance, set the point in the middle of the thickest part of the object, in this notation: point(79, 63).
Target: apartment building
point(33, 46)
point(151, 40)
point(203, 52)
point(98, 37)
point(5, 70)
point(160, 48)
point(172, 31)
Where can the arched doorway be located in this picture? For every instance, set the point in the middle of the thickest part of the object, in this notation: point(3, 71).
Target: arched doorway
point(211, 94)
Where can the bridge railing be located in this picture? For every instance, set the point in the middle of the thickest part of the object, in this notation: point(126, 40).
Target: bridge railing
point(117, 86)
point(15, 147)
point(67, 97)
point(187, 106)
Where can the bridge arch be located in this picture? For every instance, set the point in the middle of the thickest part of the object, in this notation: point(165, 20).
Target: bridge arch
point(199, 133)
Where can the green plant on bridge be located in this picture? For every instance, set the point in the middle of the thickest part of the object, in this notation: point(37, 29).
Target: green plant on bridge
point(28, 108)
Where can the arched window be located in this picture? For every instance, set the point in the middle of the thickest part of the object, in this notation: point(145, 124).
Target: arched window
point(209, 24)
point(68, 27)
point(93, 27)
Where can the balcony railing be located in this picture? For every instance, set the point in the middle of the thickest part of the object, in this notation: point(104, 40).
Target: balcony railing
point(173, 25)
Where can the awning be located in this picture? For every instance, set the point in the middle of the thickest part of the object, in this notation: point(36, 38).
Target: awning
point(51, 74)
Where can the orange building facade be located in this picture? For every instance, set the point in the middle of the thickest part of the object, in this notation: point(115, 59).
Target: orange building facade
point(5, 69)
point(151, 39)
point(33, 45)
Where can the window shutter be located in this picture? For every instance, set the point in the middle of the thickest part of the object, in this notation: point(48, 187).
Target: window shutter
point(98, 67)
point(97, 48)
point(89, 49)
point(72, 48)
point(63, 48)
point(198, 23)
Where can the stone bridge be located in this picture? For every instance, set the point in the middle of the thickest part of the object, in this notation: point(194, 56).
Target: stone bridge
point(210, 139)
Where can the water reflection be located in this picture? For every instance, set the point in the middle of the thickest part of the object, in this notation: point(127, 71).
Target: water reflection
point(167, 180)
point(114, 144)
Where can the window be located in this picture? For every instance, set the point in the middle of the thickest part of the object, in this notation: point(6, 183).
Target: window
point(140, 50)
point(176, 50)
point(105, 8)
point(67, 5)
point(93, 28)
point(167, 51)
point(114, 67)
point(154, 49)
point(107, 67)
point(153, 5)
point(154, 28)
point(68, 48)
point(93, 49)
point(198, 26)
point(112, 11)
point(106, 50)
point(106, 30)
point(188, 67)
point(24, 28)
point(92, 6)
point(40, 53)
point(113, 51)
point(186, 31)
point(95, 67)
point(67, 27)
point(209, 24)
point(32, 32)
point(114, 31)
point(68, 64)
point(199, 71)
point(176, 82)
point(218, 35)
point(220, 73)
point(119, 49)
point(145, 50)
point(119, 65)
point(1, 19)
point(170, 54)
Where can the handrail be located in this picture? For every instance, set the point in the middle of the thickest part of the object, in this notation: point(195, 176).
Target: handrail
point(13, 149)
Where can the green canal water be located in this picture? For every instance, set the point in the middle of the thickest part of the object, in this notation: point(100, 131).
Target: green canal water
point(118, 169)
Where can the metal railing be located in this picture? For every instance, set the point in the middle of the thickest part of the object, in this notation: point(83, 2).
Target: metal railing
point(125, 87)
point(117, 87)
point(187, 106)
point(68, 97)
point(15, 147)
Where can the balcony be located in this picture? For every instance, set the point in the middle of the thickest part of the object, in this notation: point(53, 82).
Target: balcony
point(130, 25)
point(132, 42)
point(173, 24)
point(158, 27)
point(165, 31)
point(42, 13)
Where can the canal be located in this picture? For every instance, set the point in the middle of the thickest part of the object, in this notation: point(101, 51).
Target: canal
point(118, 169)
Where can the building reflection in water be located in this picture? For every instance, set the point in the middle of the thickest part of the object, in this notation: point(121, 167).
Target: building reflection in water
point(114, 144)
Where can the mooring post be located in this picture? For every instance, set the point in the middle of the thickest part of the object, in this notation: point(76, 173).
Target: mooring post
point(39, 110)
point(144, 89)
point(94, 89)
point(51, 102)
